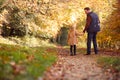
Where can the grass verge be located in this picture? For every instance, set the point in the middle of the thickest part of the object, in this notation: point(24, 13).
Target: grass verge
point(24, 63)
point(112, 63)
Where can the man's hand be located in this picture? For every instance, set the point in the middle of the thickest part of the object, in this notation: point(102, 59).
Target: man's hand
point(84, 31)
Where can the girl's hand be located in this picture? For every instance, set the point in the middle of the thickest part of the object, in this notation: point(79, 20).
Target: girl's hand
point(82, 34)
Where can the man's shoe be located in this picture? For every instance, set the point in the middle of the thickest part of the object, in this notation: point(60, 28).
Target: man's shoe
point(71, 54)
point(87, 54)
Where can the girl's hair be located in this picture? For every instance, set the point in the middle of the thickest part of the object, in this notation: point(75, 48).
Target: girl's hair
point(73, 26)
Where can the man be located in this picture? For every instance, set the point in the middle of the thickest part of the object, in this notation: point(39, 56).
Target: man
point(92, 27)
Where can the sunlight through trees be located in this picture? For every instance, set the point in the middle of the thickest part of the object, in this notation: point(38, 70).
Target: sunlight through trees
point(44, 18)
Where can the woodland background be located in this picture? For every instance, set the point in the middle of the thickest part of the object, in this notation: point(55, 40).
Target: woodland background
point(36, 22)
point(30, 30)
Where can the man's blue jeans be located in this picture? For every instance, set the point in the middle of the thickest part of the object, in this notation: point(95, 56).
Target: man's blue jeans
point(91, 37)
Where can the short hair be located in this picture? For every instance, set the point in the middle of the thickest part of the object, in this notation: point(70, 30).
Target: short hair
point(87, 8)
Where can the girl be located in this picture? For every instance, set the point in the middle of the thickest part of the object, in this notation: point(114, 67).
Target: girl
point(72, 39)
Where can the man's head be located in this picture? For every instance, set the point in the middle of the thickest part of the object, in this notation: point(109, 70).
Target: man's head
point(87, 10)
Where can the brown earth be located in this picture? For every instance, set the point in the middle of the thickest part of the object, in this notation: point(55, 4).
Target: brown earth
point(79, 67)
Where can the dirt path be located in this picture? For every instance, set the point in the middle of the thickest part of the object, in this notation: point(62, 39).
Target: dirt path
point(79, 67)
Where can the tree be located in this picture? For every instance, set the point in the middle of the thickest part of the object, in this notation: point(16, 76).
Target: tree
point(111, 32)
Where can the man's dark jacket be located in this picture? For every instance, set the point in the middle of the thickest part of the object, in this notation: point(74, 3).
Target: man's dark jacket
point(92, 23)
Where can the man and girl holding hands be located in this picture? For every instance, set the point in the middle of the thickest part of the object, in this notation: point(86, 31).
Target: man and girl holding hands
point(92, 27)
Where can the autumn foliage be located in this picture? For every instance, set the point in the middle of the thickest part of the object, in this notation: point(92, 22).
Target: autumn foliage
point(110, 34)
point(44, 18)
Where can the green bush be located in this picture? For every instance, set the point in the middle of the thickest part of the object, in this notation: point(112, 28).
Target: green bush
point(110, 62)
